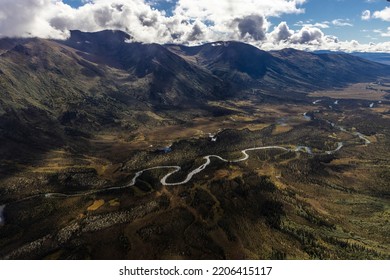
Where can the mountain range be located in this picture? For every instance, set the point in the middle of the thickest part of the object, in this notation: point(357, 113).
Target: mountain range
point(52, 90)
point(379, 57)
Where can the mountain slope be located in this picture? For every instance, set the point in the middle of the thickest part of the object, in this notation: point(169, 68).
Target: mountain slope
point(383, 58)
point(287, 69)
point(53, 94)
point(171, 79)
point(327, 70)
point(225, 59)
point(102, 82)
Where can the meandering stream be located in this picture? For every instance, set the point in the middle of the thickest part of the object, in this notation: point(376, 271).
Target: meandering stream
point(207, 158)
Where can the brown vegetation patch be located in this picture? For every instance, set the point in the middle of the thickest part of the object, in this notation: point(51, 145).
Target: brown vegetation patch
point(96, 205)
point(365, 91)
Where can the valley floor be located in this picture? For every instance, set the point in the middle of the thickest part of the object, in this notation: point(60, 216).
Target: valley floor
point(305, 180)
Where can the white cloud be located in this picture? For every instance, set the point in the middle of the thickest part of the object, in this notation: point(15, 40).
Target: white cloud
point(191, 22)
point(223, 10)
point(281, 33)
point(386, 33)
point(366, 15)
point(133, 16)
point(383, 14)
point(341, 22)
point(307, 35)
point(28, 18)
point(323, 25)
point(382, 33)
point(252, 26)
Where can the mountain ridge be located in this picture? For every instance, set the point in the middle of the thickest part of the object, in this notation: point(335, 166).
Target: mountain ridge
point(102, 81)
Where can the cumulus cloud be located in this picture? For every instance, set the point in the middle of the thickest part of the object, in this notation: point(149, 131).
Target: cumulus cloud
point(308, 35)
point(191, 22)
point(197, 33)
point(307, 38)
point(252, 26)
point(383, 14)
point(281, 33)
point(18, 20)
point(366, 15)
point(223, 10)
point(133, 16)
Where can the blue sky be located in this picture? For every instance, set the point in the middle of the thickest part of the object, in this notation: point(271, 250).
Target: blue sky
point(349, 25)
point(349, 10)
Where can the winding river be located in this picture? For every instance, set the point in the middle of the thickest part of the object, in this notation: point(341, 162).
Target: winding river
point(200, 168)
point(208, 161)
point(208, 158)
point(358, 134)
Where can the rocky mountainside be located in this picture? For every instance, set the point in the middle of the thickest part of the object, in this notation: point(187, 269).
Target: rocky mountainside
point(287, 69)
point(53, 90)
